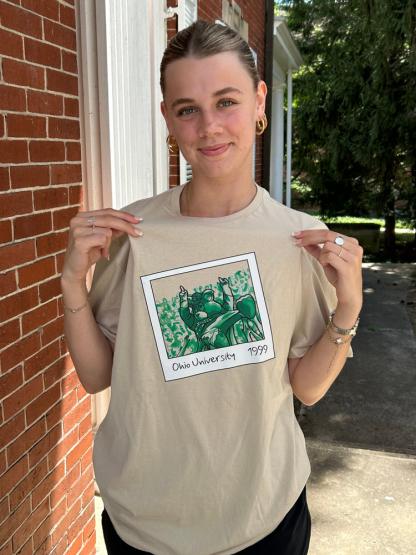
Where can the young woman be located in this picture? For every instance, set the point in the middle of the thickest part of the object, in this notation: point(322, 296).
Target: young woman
point(211, 305)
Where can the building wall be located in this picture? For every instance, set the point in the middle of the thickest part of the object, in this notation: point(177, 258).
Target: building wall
point(46, 475)
point(254, 14)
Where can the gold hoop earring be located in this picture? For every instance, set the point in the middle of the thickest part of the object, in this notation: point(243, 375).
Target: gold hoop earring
point(261, 125)
point(172, 144)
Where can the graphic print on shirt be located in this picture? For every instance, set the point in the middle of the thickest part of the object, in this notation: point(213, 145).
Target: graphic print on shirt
point(209, 316)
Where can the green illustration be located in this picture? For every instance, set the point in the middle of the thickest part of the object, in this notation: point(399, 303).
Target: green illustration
point(210, 316)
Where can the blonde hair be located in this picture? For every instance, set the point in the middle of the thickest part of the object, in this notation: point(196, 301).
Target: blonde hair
point(202, 39)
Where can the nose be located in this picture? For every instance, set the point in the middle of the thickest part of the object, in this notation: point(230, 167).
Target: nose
point(209, 124)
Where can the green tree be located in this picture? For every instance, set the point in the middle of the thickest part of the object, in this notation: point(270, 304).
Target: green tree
point(354, 117)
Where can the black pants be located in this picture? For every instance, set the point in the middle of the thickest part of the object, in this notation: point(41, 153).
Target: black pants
point(291, 537)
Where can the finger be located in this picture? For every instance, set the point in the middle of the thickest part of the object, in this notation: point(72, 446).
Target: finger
point(84, 243)
point(110, 212)
point(107, 221)
point(319, 236)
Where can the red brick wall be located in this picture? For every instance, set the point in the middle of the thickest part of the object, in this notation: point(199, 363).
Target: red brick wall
point(254, 14)
point(46, 475)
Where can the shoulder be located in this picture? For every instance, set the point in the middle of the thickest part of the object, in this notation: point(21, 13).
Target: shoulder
point(150, 205)
point(291, 218)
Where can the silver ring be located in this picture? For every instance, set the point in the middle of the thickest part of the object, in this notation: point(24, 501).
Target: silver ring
point(91, 222)
point(339, 241)
point(340, 251)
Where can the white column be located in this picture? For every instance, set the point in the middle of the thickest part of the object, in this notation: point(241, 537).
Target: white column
point(289, 140)
point(124, 77)
point(277, 143)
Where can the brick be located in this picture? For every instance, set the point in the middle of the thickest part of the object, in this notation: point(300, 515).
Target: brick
point(60, 35)
point(69, 62)
point(42, 53)
point(65, 173)
point(10, 382)
point(47, 151)
point(61, 218)
point(45, 357)
point(16, 304)
point(39, 316)
point(11, 44)
point(20, 20)
point(28, 484)
point(9, 333)
point(2, 126)
point(50, 289)
point(44, 103)
point(69, 383)
point(42, 403)
point(19, 351)
point(74, 417)
point(12, 98)
point(73, 151)
point(4, 178)
point(53, 330)
point(48, 483)
point(30, 436)
point(9, 431)
point(7, 283)
point(60, 258)
point(13, 204)
point(14, 474)
point(52, 197)
point(56, 455)
point(26, 126)
point(67, 16)
point(16, 254)
point(48, 8)
point(29, 176)
point(54, 415)
point(63, 128)
point(55, 372)
point(75, 194)
point(30, 524)
point(5, 231)
point(61, 82)
point(45, 445)
point(71, 107)
point(21, 73)
point(15, 520)
point(36, 272)
point(30, 226)
point(52, 243)
point(22, 397)
point(13, 152)
point(61, 530)
point(76, 453)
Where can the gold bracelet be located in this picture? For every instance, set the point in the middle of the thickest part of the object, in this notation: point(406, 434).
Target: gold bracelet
point(73, 310)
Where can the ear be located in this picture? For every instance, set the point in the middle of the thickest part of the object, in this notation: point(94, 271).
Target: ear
point(164, 111)
point(261, 98)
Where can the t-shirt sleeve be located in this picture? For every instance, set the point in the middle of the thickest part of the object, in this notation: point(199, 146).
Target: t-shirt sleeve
point(316, 298)
point(106, 291)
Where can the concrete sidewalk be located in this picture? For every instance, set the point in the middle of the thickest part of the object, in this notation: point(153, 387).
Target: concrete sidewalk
point(361, 437)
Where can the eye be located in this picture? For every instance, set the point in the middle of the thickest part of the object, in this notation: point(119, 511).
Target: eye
point(184, 111)
point(231, 102)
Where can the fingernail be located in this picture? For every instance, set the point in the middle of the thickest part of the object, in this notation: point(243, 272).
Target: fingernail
point(138, 233)
point(297, 241)
point(138, 219)
point(296, 233)
point(108, 257)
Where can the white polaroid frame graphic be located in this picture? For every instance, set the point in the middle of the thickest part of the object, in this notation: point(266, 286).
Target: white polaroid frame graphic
point(222, 357)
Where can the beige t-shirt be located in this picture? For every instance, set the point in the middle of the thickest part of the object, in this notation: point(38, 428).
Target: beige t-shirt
point(200, 452)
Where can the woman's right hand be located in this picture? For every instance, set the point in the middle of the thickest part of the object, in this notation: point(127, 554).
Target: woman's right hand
point(90, 235)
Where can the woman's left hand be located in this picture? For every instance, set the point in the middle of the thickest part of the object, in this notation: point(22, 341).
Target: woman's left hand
point(341, 263)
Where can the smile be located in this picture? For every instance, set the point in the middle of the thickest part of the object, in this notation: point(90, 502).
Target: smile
point(214, 151)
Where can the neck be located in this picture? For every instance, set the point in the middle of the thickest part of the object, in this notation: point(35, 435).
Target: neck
point(215, 200)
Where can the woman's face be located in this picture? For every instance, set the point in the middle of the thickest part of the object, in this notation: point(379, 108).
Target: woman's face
point(201, 113)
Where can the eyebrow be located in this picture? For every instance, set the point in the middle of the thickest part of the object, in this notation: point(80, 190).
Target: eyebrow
point(226, 90)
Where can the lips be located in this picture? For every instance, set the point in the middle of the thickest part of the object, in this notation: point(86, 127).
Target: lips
point(215, 150)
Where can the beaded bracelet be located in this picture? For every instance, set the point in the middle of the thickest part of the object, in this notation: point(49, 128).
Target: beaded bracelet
point(342, 331)
point(73, 310)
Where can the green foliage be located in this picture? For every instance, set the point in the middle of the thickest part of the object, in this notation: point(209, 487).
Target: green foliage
point(354, 119)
